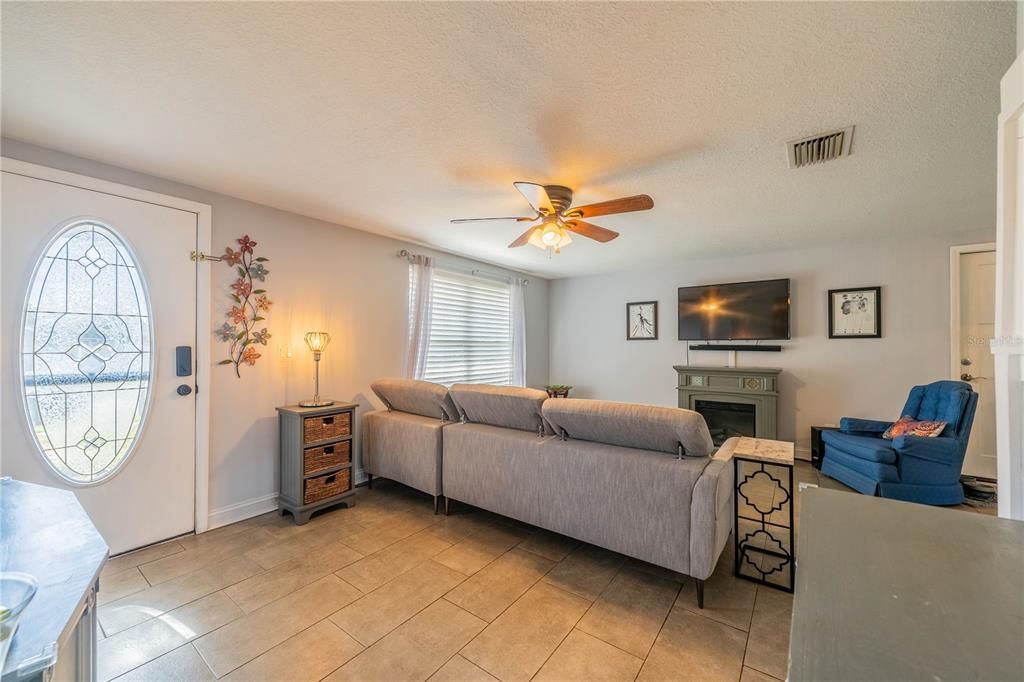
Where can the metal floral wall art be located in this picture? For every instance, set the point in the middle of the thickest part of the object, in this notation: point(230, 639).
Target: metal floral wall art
point(249, 306)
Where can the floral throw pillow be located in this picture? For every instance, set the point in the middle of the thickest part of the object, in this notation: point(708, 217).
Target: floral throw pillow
point(908, 426)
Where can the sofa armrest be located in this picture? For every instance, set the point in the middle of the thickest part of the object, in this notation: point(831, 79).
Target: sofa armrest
point(863, 426)
point(711, 510)
point(941, 450)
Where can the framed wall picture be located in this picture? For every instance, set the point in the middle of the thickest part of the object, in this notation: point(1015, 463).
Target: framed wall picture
point(855, 313)
point(642, 321)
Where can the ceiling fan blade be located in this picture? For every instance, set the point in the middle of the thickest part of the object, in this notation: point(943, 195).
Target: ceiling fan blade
point(478, 220)
point(592, 231)
point(523, 238)
point(640, 202)
point(536, 195)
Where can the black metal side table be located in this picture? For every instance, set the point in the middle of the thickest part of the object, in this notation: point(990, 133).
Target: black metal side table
point(763, 537)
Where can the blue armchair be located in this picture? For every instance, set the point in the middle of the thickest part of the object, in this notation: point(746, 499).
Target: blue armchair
point(911, 468)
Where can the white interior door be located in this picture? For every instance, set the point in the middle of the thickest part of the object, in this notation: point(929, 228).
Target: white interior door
point(976, 364)
point(98, 291)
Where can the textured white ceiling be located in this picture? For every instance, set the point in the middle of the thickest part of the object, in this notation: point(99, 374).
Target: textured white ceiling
point(394, 117)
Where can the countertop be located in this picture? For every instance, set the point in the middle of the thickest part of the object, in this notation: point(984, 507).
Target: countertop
point(46, 533)
point(899, 591)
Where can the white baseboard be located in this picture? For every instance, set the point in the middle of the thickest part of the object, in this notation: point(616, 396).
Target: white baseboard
point(240, 511)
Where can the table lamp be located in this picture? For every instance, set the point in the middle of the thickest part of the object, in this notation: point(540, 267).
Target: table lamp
point(317, 342)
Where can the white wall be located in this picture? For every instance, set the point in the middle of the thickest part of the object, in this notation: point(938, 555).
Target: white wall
point(323, 276)
point(1020, 26)
point(823, 379)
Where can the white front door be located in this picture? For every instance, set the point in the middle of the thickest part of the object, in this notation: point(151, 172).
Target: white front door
point(976, 364)
point(98, 292)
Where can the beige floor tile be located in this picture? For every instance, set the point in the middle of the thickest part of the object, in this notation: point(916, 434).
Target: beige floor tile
point(153, 601)
point(283, 579)
point(691, 647)
point(120, 585)
point(415, 650)
point(215, 536)
point(547, 544)
point(586, 571)
point(583, 658)
point(205, 554)
point(310, 655)
point(390, 605)
point(184, 664)
point(458, 669)
point(373, 571)
point(479, 549)
point(490, 591)
point(271, 554)
point(454, 528)
point(631, 610)
point(519, 641)
point(131, 648)
point(751, 675)
point(768, 647)
point(265, 628)
point(727, 599)
point(139, 557)
point(376, 538)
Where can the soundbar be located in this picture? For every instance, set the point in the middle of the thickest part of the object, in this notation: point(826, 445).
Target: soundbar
point(723, 346)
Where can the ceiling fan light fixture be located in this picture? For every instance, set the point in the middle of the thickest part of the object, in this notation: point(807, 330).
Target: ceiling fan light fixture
point(535, 239)
point(552, 233)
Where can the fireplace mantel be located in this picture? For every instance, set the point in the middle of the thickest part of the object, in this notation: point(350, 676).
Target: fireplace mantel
point(757, 386)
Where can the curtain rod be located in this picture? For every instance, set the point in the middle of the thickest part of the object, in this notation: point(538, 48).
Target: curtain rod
point(452, 265)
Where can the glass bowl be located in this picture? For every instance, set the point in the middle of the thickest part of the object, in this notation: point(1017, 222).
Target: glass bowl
point(16, 591)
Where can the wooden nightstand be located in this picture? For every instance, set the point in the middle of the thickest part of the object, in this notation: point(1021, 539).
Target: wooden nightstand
point(316, 458)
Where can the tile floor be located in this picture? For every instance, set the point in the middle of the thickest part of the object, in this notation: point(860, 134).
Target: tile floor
point(388, 591)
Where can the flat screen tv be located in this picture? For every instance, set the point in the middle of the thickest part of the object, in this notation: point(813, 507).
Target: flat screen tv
point(742, 311)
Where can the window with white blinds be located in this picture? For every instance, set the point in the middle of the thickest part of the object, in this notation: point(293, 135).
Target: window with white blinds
point(470, 330)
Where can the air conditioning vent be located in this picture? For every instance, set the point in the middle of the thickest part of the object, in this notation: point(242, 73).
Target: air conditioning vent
point(819, 148)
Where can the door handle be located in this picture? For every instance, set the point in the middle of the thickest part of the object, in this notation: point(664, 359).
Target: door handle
point(184, 389)
point(969, 377)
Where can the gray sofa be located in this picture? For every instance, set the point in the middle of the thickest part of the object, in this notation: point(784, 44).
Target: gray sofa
point(404, 441)
point(634, 479)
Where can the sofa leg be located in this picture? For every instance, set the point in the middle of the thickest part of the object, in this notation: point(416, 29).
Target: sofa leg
point(447, 506)
point(369, 481)
point(437, 501)
point(700, 594)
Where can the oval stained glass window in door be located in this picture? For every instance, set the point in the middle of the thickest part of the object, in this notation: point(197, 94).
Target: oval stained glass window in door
point(86, 357)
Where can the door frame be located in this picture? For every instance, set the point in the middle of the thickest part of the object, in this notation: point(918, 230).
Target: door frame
point(1008, 346)
point(954, 299)
point(204, 225)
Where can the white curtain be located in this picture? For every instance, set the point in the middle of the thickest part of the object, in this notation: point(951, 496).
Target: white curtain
point(417, 337)
point(517, 301)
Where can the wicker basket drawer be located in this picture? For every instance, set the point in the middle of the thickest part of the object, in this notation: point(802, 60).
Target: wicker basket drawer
point(322, 487)
point(326, 426)
point(325, 457)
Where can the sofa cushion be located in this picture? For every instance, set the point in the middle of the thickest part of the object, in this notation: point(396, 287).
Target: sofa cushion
point(512, 407)
point(867, 448)
point(416, 397)
point(645, 427)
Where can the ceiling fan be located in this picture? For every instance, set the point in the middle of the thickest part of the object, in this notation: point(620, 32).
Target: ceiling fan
point(558, 218)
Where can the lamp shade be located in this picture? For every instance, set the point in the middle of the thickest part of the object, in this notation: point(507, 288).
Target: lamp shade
point(317, 341)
